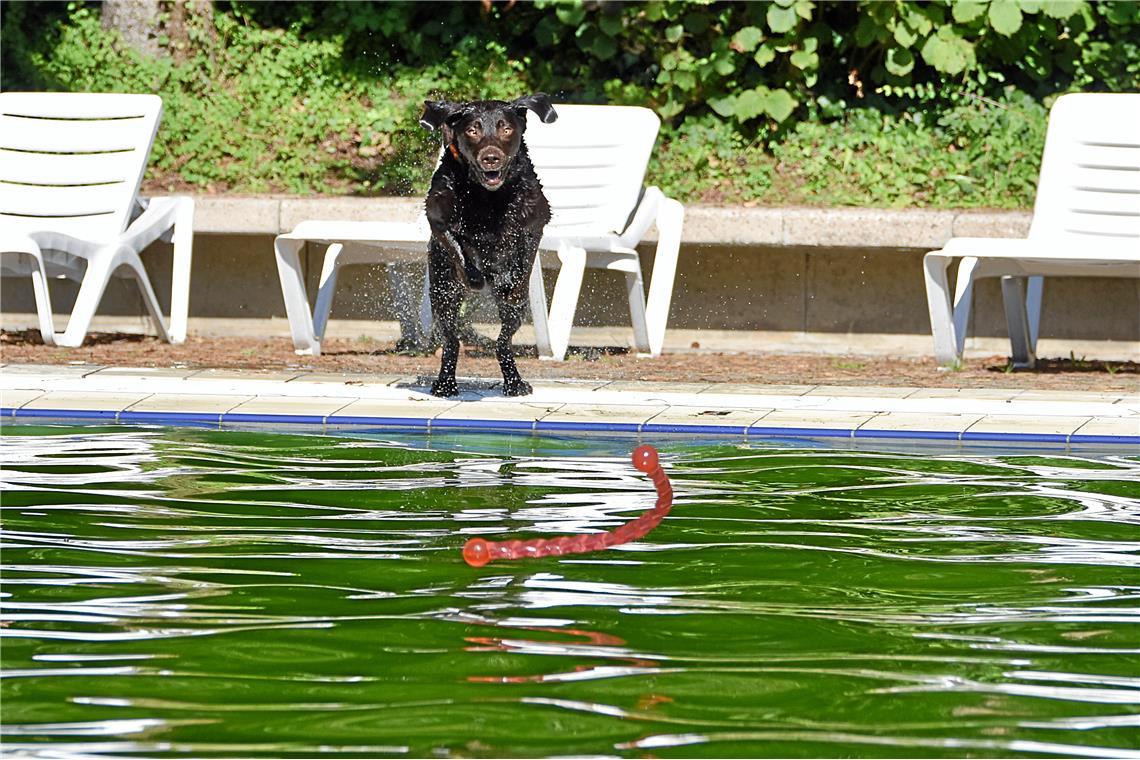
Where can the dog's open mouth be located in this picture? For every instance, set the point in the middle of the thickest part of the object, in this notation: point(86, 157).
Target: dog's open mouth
point(492, 178)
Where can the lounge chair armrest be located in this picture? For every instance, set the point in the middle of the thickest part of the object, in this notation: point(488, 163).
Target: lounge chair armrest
point(643, 217)
point(158, 220)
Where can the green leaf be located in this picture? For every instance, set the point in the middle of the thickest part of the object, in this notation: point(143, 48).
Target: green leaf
point(746, 40)
point(804, 9)
point(1004, 17)
point(1122, 13)
point(571, 15)
point(947, 52)
point(750, 103)
point(765, 55)
point(724, 65)
point(904, 36)
point(685, 79)
point(1030, 6)
point(674, 32)
point(604, 46)
point(966, 11)
point(802, 59)
point(725, 106)
point(610, 24)
point(899, 62)
point(779, 104)
point(867, 31)
point(670, 109)
point(1061, 9)
point(781, 20)
point(918, 21)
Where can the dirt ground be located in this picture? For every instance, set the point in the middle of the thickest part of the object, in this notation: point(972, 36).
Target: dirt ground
point(376, 357)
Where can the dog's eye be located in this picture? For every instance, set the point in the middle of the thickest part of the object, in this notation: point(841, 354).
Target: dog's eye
point(473, 131)
point(506, 129)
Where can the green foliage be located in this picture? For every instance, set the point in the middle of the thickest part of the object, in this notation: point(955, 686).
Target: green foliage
point(981, 152)
point(261, 110)
point(875, 101)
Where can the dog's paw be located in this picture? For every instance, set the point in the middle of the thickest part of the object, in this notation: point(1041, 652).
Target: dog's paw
point(444, 388)
point(517, 387)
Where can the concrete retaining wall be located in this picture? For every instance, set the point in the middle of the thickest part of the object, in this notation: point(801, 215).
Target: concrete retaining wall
point(813, 271)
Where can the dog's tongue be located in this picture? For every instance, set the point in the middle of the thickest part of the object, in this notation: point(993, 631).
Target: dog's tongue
point(493, 178)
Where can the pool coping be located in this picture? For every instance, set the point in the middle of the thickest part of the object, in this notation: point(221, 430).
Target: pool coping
point(390, 402)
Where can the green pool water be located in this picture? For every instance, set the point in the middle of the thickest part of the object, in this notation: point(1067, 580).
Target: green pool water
point(187, 592)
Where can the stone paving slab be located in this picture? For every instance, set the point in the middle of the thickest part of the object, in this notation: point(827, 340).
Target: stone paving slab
point(178, 403)
point(16, 398)
point(312, 398)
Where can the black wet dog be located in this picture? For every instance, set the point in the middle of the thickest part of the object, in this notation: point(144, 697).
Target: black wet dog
point(487, 211)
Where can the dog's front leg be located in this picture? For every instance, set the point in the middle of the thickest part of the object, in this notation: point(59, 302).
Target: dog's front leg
point(446, 295)
point(511, 314)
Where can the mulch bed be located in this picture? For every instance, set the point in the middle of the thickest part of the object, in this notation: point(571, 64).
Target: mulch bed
point(377, 357)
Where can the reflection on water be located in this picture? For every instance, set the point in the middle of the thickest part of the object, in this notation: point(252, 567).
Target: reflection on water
point(200, 592)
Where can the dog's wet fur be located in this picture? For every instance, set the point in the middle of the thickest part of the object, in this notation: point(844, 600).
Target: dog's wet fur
point(487, 211)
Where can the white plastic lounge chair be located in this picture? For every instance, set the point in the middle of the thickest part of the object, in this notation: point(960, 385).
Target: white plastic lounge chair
point(1086, 222)
point(70, 169)
point(592, 164)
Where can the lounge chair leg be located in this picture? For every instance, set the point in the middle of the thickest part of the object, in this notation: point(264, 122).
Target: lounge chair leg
point(182, 236)
point(292, 278)
point(1034, 292)
point(635, 290)
point(43, 304)
point(1018, 321)
point(425, 310)
point(934, 267)
point(564, 302)
point(131, 260)
point(27, 247)
point(538, 310)
point(670, 218)
point(969, 270)
point(94, 283)
point(326, 289)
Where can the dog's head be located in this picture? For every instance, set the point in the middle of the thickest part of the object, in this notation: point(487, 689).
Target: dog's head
point(485, 134)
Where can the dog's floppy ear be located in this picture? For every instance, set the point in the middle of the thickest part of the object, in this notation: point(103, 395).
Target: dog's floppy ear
point(538, 103)
point(439, 112)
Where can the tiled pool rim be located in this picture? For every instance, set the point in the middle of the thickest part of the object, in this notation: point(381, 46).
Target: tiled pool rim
point(231, 397)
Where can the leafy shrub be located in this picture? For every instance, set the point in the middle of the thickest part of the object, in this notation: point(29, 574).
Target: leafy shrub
point(978, 153)
point(899, 102)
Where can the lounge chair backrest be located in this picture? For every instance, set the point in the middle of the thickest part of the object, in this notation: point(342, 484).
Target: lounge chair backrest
point(1089, 188)
point(591, 162)
point(73, 162)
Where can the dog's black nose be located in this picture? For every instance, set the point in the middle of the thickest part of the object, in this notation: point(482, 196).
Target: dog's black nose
point(491, 158)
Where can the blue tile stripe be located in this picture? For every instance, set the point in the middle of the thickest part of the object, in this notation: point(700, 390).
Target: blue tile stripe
point(664, 429)
point(172, 418)
point(423, 424)
point(801, 432)
point(928, 435)
point(79, 414)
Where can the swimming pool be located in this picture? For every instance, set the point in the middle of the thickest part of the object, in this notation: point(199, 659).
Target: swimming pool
point(194, 591)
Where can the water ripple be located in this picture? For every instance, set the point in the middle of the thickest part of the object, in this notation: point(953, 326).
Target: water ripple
point(174, 592)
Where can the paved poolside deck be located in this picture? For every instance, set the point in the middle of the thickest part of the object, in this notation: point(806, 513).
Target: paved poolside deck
point(231, 397)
